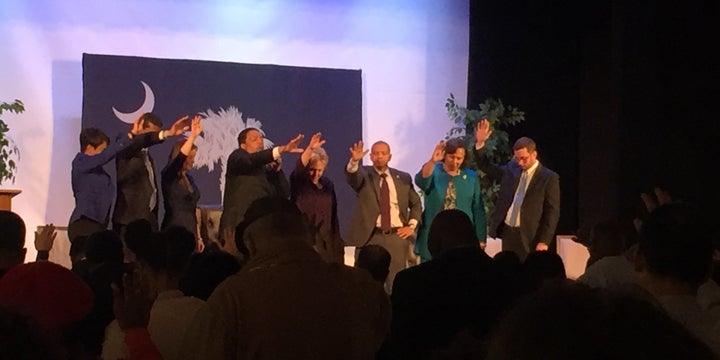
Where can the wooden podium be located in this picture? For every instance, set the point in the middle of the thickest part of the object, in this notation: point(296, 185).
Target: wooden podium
point(6, 196)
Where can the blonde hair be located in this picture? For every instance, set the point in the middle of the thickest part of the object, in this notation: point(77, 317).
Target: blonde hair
point(319, 154)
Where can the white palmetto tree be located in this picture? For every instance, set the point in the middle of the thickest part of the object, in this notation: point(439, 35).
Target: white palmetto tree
point(219, 139)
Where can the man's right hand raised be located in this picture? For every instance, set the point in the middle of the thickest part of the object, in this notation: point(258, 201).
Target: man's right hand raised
point(357, 152)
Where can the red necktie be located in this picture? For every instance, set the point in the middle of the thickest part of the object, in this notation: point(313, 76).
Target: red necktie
point(384, 204)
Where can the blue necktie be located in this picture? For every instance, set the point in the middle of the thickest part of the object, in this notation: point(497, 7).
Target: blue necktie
point(517, 203)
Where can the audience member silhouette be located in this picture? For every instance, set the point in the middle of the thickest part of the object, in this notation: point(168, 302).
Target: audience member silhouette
point(607, 238)
point(104, 257)
point(287, 302)
point(78, 259)
point(675, 258)
point(612, 261)
point(12, 240)
point(540, 267)
point(137, 236)
point(376, 260)
point(132, 302)
point(163, 263)
point(206, 271)
point(567, 320)
point(442, 300)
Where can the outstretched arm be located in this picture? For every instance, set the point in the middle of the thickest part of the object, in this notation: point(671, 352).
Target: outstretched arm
point(352, 174)
point(316, 141)
point(195, 129)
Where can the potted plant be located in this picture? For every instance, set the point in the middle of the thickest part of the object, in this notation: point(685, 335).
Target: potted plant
point(497, 147)
point(9, 152)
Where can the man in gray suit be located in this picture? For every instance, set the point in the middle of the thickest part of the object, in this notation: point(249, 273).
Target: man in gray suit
point(527, 208)
point(388, 207)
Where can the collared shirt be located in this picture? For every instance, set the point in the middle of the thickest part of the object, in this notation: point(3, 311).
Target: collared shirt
point(395, 220)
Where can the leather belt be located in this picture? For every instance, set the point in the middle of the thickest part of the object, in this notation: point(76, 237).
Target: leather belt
point(385, 232)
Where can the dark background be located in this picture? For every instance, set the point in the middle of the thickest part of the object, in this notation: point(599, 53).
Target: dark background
point(619, 96)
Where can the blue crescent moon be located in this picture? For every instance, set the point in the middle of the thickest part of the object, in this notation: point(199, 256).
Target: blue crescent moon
point(147, 106)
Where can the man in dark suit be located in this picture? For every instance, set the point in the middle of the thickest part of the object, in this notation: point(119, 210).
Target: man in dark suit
point(137, 191)
point(253, 172)
point(527, 208)
point(391, 226)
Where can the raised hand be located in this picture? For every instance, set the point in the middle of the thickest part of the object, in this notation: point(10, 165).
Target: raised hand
point(292, 145)
point(136, 126)
point(439, 152)
point(44, 239)
point(357, 152)
point(316, 141)
point(482, 131)
point(178, 127)
point(196, 126)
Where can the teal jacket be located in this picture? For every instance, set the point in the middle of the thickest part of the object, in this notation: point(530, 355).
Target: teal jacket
point(468, 199)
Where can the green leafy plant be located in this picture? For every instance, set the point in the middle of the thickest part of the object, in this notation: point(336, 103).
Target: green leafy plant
point(9, 152)
point(497, 147)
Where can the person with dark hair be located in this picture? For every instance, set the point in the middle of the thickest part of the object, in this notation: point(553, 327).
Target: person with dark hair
point(206, 271)
point(541, 267)
point(674, 259)
point(137, 236)
point(253, 172)
point(388, 208)
point(91, 184)
point(314, 193)
point(163, 263)
point(376, 260)
point(137, 195)
point(527, 208)
point(448, 184)
point(452, 293)
point(180, 194)
point(78, 260)
point(612, 261)
point(12, 240)
point(450, 228)
point(287, 302)
point(103, 266)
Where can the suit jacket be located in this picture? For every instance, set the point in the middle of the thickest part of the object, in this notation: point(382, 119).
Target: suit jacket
point(179, 201)
point(92, 185)
point(133, 186)
point(540, 209)
point(366, 183)
point(246, 180)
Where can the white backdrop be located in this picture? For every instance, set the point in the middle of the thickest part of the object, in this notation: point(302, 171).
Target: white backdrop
point(413, 54)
